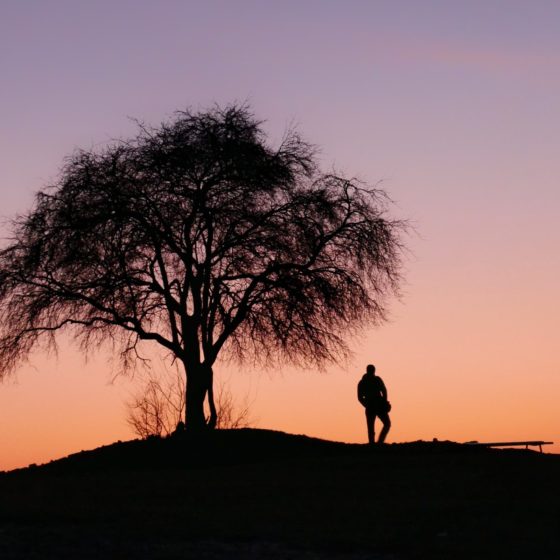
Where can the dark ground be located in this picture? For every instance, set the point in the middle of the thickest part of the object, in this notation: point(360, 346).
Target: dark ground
point(260, 494)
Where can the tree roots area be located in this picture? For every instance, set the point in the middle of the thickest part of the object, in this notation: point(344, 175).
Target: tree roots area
point(256, 494)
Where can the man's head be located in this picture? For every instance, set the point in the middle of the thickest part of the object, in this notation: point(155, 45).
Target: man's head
point(370, 369)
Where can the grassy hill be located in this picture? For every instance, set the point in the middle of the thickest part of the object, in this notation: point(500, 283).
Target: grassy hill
point(262, 494)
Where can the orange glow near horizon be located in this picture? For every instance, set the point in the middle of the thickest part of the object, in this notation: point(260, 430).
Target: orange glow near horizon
point(465, 391)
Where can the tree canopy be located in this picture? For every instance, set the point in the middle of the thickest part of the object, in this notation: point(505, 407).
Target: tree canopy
point(200, 236)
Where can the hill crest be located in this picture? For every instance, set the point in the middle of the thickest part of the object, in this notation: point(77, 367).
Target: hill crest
point(227, 448)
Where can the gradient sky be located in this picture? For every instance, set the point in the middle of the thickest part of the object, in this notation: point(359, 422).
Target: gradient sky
point(453, 105)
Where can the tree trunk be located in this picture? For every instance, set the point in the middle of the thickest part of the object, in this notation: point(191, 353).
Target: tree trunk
point(199, 384)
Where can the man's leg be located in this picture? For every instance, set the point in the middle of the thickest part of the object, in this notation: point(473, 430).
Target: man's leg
point(370, 421)
point(384, 417)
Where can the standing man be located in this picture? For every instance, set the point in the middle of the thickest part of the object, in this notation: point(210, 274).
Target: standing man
point(372, 393)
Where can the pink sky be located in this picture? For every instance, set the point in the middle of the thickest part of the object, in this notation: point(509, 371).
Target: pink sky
point(453, 105)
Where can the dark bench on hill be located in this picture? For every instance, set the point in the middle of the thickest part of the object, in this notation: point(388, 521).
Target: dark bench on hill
point(538, 444)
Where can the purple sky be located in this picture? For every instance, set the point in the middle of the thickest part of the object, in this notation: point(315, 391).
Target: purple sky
point(453, 105)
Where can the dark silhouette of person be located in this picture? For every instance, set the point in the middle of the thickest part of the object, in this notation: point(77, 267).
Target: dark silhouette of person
point(372, 393)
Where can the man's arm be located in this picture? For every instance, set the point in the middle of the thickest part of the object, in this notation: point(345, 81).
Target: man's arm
point(361, 396)
point(383, 389)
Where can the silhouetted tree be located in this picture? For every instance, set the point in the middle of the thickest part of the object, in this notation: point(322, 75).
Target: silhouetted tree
point(199, 236)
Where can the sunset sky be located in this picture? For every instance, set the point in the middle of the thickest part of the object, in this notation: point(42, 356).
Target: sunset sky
point(452, 105)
